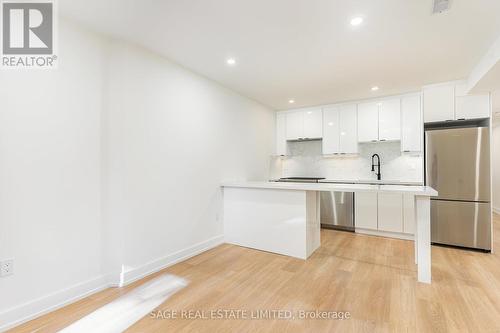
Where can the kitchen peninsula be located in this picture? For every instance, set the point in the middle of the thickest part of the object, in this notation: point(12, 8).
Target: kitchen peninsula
point(284, 217)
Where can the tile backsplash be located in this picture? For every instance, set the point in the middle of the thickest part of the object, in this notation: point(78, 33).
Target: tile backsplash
point(306, 159)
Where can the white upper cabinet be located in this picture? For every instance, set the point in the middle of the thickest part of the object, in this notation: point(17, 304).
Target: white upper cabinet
point(449, 101)
point(473, 106)
point(313, 124)
point(280, 134)
point(470, 106)
point(368, 122)
point(389, 120)
point(294, 125)
point(340, 130)
point(439, 103)
point(411, 124)
point(304, 124)
point(331, 131)
point(379, 121)
point(348, 122)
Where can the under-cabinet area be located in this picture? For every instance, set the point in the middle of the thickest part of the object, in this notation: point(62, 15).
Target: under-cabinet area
point(389, 214)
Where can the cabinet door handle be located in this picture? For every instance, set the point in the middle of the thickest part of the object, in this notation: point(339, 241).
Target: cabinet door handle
point(383, 139)
point(461, 119)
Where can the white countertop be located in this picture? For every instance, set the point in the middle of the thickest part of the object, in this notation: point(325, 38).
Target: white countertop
point(337, 187)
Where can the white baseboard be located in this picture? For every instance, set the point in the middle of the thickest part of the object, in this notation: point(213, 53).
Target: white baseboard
point(38, 307)
point(385, 234)
point(161, 263)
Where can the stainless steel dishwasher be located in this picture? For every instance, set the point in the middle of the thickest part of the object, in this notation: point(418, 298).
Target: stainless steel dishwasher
point(337, 210)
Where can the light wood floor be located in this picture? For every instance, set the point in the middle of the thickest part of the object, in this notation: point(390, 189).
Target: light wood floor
point(372, 278)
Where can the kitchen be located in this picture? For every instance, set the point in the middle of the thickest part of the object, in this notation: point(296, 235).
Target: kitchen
point(343, 150)
point(454, 147)
point(283, 165)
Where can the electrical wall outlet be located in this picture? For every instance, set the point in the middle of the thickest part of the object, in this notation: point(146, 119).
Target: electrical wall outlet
point(6, 267)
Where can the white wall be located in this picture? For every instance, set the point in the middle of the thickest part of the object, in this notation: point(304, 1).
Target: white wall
point(496, 167)
point(307, 160)
point(173, 137)
point(114, 159)
point(50, 205)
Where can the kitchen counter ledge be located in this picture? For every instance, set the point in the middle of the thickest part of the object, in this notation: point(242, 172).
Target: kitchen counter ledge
point(338, 187)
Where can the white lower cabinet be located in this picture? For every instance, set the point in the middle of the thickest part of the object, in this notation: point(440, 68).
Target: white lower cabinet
point(385, 213)
point(365, 210)
point(390, 212)
point(408, 214)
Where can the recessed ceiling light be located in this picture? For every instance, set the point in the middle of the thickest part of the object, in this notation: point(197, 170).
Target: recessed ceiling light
point(356, 20)
point(231, 61)
point(291, 101)
point(375, 88)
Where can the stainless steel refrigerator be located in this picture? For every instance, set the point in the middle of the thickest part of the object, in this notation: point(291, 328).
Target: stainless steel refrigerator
point(458, 166)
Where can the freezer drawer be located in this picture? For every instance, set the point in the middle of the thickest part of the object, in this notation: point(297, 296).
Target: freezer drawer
point(336, 210)
point(459, 223)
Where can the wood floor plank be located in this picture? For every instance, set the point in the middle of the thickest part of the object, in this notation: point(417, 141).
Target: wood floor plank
point(373, 278)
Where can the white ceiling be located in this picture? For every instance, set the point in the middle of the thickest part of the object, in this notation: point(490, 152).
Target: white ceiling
point(304, 49)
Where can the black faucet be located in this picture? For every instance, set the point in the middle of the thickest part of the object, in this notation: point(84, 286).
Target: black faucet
point(378, 166)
